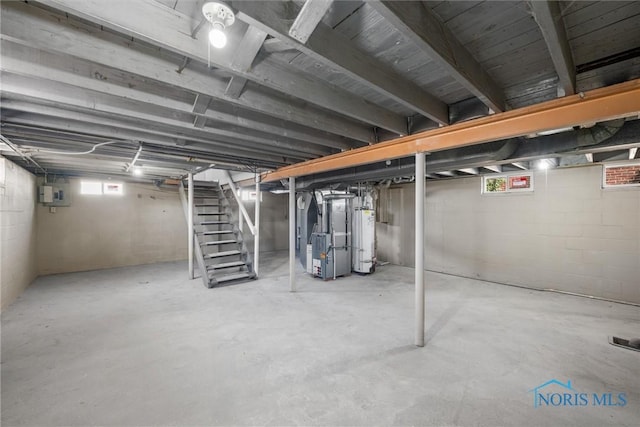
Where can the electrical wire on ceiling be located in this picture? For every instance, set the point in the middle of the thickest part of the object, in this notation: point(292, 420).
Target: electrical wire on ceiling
point(135, 158)
point(23, 155)
point(76, 153)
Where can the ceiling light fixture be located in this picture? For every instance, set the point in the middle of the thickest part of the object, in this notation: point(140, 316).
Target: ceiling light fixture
point(544, 164)
point(220, 16)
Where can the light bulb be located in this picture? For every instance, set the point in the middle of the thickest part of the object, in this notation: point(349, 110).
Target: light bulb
point(543, 164)
point(217, 38)
point(137, 172)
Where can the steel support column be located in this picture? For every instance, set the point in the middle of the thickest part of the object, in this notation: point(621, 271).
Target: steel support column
point(256, 227)
point(419, 252)
point(292, 233)
point(190, 226)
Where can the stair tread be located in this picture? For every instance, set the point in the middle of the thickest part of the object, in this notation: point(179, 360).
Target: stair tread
point(234, 276)
point(213, 233)
point(222, 254)
point(220, 266)
point(213, 209)
point(219, 242)
point(206, 184)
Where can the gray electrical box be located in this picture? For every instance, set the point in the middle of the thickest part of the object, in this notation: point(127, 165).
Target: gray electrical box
point(55, 194)
point(45, 194)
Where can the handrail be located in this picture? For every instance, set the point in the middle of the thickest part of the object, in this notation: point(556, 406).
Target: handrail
point(198, 249)
point(243, 210)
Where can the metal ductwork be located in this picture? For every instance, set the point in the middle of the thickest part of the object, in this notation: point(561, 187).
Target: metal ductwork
point(569, 141)
point(492, 153)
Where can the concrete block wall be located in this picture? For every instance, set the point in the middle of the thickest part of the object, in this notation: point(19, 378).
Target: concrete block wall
point(18, 195)
point(569, 234)
point(144, 225)
point(274, 217)
point(274, 212)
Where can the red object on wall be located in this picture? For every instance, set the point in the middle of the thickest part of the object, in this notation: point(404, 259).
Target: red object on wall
point(519, 182)
point(623, 175)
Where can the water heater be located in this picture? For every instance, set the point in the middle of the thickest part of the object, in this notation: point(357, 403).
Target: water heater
point(364, 245)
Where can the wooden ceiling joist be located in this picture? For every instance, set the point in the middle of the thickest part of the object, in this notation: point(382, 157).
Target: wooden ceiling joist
point(549, 18)
point(622, 100)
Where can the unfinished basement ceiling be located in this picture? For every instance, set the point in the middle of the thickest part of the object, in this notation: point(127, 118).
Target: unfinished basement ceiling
point(141, 77)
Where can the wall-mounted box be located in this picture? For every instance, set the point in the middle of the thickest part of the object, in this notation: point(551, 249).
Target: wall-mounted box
point(56, 194)
point(45, 194)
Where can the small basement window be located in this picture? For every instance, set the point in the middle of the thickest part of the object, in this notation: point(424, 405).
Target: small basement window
point(90, 187)
point(248, 195)
point(507, 183)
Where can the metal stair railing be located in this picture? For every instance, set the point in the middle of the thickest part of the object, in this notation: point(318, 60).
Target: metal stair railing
point(198, 250)
point(246, 256)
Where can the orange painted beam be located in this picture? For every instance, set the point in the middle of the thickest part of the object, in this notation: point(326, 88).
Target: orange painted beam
point(617, 101)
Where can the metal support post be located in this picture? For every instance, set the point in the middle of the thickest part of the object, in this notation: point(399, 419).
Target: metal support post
point(256, 227)
point(419, 252)
point(292, 233)
point(190, 225)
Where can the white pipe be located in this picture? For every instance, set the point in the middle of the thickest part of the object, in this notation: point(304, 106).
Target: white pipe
point(243, 210)
point(190, 226)
point(256, 227)
point(419, 252)
point(292, 233)
point(135, 158)
point(333, 251)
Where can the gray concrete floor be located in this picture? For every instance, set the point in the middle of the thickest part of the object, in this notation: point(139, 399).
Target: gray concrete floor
point(144, 346)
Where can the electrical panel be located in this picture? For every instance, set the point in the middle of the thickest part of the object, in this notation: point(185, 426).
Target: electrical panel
point(55, 194)
point(45, 194)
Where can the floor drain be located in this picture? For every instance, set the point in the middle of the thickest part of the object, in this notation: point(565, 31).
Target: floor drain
point(632, 344)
